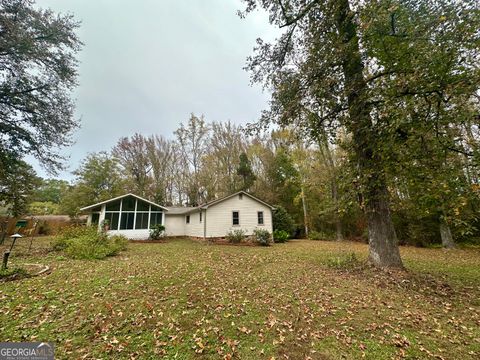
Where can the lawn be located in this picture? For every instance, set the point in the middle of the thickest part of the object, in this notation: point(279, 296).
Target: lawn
point(299, 300)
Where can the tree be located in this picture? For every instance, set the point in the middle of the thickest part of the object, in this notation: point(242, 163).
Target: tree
point(161, 154)
point(282, 220)
point(38, 71)
point(320, 75)
point(50, 190)
point(222, 162)
point(245, 171)
point(17, 184)
point(97, 179)
point(193, 142)
point(133, 156)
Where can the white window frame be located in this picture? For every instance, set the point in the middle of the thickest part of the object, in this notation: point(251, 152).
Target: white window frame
point(263, 218)
point(236, 211)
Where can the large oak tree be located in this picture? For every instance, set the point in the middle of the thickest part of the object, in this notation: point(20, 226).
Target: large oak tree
point(366, 67)
point(38, 70)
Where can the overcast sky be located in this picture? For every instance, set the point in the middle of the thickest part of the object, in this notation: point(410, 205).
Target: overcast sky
point(147, 64)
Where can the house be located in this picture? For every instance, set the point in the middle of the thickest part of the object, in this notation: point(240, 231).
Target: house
point(211, 220)
point(218, 217)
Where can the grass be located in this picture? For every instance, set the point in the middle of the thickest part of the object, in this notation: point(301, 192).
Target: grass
point(299, 300)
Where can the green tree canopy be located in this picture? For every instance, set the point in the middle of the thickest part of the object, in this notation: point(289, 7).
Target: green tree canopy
point(38, 71)
point(98, 178)
point(18, 181)
point(245, 171)
point(376, 69)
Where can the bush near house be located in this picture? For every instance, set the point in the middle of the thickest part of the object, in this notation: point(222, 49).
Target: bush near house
point(236, 236)
point(280, 236)
point(157, 232)
point(262, 237)
point(87, 243)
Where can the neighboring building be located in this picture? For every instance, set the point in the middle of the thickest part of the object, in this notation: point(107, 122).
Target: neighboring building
point(211, 220)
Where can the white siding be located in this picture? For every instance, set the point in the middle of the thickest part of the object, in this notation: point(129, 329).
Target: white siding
point(195, 228)
point(219, 216)
point(174, 225)
point(140, 234)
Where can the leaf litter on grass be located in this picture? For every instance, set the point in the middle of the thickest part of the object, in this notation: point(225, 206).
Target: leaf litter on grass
point(185, 300)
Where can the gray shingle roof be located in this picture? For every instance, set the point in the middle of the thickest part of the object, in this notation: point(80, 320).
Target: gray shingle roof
point(177, 210)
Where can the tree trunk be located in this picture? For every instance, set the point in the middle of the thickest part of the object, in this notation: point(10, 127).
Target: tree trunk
point(305, 215)
point(338, 220)
point(446, 235)
point(382, 239)
point(328, 158)
point(383, 244)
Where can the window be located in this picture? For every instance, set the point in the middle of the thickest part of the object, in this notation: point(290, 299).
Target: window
point(236, 218)
point(187, 219)
point(112, 217)
point(142, 205)
point(260, 217)
point(134, 214)
point(155, 218)
point(126, 221)
point(113, 206)
point(128, 204)
point(200, 215)
point(142, 220)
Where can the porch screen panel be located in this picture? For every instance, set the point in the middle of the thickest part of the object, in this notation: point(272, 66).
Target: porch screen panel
point(142, 220)
point(126, 222)
point(155, 218)
point(113, 218)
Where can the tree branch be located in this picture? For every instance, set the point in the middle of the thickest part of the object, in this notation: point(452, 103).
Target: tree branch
point(292, 20)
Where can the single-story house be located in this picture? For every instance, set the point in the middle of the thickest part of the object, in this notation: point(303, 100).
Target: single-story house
point(133, 216)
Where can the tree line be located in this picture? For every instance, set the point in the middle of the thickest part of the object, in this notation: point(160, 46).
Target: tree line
point(317, 183)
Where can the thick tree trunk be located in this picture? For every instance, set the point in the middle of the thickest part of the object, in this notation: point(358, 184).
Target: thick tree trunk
point(383, 244)
point(446, 235)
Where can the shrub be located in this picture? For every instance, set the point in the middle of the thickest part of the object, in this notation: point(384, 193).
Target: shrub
point(59, 243)
point(262, 236)
point(118, 243)
point(157, 231)
point(80, 242)
point(280, 236)
point(282, 220)
point(235, 236)
point(318, 235)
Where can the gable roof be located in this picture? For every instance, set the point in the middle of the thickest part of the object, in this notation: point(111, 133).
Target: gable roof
point(214, 202)
point(121, 197)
